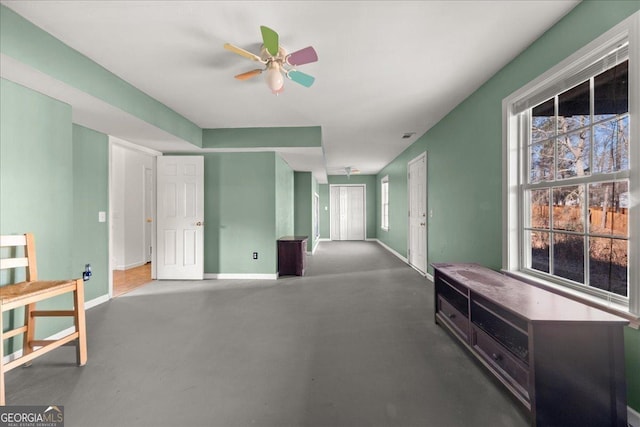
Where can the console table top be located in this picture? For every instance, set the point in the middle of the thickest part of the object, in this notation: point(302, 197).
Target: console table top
point(292, 238)
point(525, 300)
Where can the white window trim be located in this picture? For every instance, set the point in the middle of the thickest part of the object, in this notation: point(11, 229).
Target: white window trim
point(512, 208)
point(384, 226)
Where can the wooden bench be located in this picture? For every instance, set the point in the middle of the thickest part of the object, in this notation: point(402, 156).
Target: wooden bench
point(27, 294)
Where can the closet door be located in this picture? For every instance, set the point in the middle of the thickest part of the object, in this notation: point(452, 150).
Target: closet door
point(355, 213)
point(347, 212)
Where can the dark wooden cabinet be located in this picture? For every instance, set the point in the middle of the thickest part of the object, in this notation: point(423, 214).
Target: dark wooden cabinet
point(292, 255)
point(562, 359)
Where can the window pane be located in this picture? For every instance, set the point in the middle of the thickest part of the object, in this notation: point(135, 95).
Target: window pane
point(608, 264)
point(574, 108)
point(539, 250)
point(611, 92)
point(573, 154)
point(567, 208)
point(539, 205)
point(543, 121)
point(612, 198)
point(541, 162)
point(611, 146)
point(568, 256)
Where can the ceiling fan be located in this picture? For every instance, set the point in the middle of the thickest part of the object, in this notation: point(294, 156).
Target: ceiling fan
point(277, 62)
point(347, 170)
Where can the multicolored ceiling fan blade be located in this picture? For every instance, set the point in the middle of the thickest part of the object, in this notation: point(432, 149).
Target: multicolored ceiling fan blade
point(303, 56)
point(242, 52)
point(301, 78)
point(270, 40)
point(249, 74)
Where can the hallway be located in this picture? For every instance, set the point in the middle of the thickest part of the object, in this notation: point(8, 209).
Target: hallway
point(127, 280)
point(352, 343)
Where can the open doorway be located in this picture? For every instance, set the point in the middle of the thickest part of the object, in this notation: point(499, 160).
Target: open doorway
point(132, 207)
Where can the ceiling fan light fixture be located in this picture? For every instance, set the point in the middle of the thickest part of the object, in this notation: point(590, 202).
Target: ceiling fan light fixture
point(274, 78)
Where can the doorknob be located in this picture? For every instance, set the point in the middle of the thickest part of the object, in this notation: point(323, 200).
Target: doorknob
point(149, 219)
point(200, 223)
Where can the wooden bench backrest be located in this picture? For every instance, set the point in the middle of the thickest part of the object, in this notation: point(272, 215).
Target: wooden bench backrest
point(28, 261)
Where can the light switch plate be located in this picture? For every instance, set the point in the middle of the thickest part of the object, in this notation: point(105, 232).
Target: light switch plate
point(102, 216)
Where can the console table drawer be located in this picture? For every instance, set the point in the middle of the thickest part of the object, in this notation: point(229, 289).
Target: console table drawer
point(501, 360)
point(459, 321)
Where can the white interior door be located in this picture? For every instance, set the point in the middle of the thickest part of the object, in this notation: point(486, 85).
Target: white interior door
point(148, 213)
point(417, 178)
point(347, 212)
point(180, 217)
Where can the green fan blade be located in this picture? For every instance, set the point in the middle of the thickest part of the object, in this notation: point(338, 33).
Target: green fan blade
point(300, 77)
point(270, 40)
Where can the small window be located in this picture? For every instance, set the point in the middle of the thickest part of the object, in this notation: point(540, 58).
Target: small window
point(384, 197)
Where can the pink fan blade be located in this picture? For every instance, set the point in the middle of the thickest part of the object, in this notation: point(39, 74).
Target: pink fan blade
point(303, 56)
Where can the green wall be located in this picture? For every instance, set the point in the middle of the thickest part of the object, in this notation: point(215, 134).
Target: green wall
point(36, 188)
point(240, 213)
point(303, 136)
point(304, 189)
point(285, 221)
point(464, 156)
point(325, 213)
point(27, 43)
point(396, 235)
point(90, 196)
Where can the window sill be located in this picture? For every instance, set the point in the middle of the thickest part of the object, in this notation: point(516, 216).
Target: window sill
point(608, 306)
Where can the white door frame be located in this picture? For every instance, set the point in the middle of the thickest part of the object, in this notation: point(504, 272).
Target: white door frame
point(126, 144)
point(423, 155)
point(149, 214)
point(364, 210)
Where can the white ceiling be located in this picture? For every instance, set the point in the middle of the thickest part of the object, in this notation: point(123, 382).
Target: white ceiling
point(385, 67)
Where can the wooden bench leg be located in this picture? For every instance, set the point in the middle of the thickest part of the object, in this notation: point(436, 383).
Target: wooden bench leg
point(29, 336)
point(2, 401)
point(80, 323)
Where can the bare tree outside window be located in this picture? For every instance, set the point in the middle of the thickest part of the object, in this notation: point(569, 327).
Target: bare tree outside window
point(576, 227)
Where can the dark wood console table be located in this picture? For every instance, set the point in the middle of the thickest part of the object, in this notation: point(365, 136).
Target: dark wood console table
point(562, 359)
point(292, 255)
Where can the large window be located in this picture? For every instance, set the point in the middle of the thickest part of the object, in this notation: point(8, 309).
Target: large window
point(572, 180)
point(384, 197)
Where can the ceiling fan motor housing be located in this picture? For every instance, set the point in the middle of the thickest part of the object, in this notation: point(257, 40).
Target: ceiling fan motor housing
point(267, 57)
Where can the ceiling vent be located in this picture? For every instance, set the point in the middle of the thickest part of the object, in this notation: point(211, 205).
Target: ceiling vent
point(408, 135)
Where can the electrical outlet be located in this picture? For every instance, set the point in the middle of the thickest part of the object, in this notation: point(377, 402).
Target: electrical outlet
point(255, 255)
point(86, 274)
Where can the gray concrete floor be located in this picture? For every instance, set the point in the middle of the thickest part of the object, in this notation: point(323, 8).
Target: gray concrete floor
point(353, 343)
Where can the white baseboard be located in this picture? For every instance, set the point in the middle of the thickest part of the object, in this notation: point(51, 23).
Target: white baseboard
point(241, 276)
point(633, 417)
point(404, 259)
point(96, 301)
point(129, 266)
point(87, 305)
